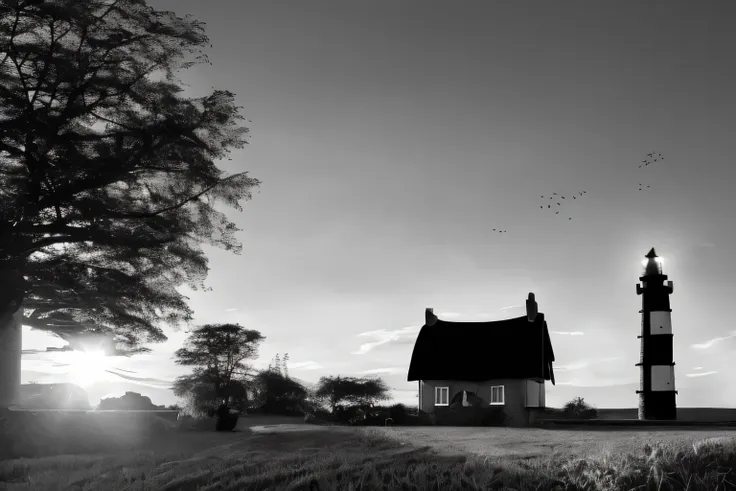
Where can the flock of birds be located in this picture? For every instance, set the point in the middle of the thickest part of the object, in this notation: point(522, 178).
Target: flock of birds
point(558, 200)
point(555, 197)
point(651, 159)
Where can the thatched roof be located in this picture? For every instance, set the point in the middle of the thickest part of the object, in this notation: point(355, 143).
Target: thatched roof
point(478, 351)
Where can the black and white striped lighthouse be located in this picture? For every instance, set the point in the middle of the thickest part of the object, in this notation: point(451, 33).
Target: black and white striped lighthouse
point(657, 370)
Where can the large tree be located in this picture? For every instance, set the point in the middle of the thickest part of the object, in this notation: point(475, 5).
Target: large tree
point(107, 174)
point(218, 353)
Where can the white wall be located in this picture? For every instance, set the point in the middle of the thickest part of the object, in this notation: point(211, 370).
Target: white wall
point(663, 377)
point(660, 323)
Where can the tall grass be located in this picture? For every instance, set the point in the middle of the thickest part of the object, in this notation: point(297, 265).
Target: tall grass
point(365, 459)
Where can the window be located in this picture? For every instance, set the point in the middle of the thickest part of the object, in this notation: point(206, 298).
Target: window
point(441, 396)
point(497, 395)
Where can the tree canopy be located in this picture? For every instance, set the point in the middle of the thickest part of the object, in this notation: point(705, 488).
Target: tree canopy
point(108, 178)
point(217, 352)
point(275, 392)
point(339, 391)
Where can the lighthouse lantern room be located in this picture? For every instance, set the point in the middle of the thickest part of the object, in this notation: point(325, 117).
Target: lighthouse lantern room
point(657, 370)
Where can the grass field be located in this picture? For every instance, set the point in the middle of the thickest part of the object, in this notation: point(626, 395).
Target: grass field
point(261, 455)
point(544, 443)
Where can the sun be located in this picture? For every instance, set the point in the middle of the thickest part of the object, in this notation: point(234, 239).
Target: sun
point(87, 367)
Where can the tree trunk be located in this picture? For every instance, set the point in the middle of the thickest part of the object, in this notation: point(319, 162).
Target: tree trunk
point(11, 341)
point(12, 292)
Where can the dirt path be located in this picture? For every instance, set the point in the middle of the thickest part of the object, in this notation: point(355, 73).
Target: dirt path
point(291, 428)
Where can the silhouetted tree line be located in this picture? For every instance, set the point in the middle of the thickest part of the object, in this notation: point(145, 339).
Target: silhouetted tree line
point(222, 384)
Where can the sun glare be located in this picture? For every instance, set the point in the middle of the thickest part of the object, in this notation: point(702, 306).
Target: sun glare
point(87, 367)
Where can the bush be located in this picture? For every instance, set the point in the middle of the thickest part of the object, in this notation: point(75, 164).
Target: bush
point(375, 417)
point(351, 415)
point(494, 417)
point(226, 422)
point(579, 409)
point(398, 413)
point(318, 416)
point(414, 420)
point(282, 407)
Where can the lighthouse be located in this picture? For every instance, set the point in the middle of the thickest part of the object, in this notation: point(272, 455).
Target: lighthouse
point(657, 370)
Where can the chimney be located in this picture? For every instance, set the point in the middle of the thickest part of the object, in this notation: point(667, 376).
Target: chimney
point(531, 308)
point(429, 318)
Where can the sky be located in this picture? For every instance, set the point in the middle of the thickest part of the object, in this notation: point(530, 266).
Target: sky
point(391, 138)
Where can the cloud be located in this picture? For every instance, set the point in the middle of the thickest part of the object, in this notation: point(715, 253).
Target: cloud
point(585, 363)
point(569, 333)
point(151, 382)
point(713, 341)
point(230, 310)
point(305, 365)
point(512, 307)
point(460, 315)
point(697, 368)
point(599, 383)
point(383, 336)
point(702, 374)
point(384, 370)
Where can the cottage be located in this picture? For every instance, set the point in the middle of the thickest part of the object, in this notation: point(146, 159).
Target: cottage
point(479, 373)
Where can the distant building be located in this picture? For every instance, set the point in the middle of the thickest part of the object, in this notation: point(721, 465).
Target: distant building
point(53, 396)
point(129, 401)
point(469, 372)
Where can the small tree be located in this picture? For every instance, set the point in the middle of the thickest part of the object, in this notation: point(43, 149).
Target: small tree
point(201, 397)
point(275, 393)
point(340, 391)
point(217, 352)
point(578, 408)
point(284, 368)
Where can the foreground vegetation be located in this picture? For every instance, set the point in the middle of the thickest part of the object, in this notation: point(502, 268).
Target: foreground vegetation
point(332, 458)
